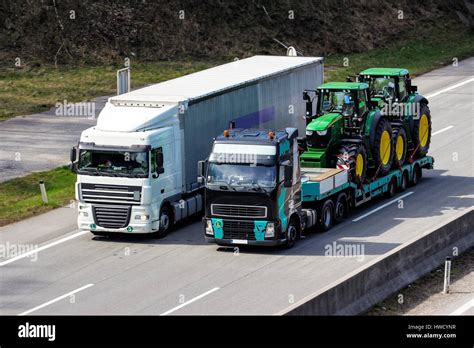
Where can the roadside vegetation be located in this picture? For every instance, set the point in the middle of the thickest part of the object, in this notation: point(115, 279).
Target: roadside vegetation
point(36, 89)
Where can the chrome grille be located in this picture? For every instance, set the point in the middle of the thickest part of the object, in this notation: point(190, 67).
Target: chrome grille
point(237, 229)
point(242, 211)
point(111, 216)
point(111, 194)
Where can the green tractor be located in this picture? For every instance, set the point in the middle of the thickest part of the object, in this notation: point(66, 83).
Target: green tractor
point(407, 111)
point(347, 131)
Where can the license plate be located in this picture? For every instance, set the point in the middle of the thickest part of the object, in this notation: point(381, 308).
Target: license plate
point(239, 241)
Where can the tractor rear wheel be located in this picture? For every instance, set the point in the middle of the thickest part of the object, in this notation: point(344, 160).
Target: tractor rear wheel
point(421, 134)
point(354, 158)
point(383, 149)
point(400, 146)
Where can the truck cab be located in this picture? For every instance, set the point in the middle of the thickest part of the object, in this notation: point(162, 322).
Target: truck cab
point(252, 188)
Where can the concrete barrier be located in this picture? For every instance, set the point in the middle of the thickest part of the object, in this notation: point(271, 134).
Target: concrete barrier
point(374, 282)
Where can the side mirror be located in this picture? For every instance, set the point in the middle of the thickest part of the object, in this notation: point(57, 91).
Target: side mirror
point(374, 103)
point(414, 88)
point(73, 154)
point(306, 95)
point(201, 171)
point(159, 159)
point(288, 176)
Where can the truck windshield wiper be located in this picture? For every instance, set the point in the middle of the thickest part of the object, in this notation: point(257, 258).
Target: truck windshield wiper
point(258, 187)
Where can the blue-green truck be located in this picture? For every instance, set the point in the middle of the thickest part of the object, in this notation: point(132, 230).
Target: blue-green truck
point(256, 192)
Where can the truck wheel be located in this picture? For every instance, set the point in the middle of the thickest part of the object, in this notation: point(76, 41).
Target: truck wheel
point(404, 183)
point(383, 149)
point(340, 208)
point(327, 216)
point(416, 175)
point(291, 234)
point(392, 187)
point(399, 139)
point(166, 221)
point(422, 132)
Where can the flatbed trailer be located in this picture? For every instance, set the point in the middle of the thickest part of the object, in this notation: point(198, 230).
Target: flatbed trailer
point(324, 190)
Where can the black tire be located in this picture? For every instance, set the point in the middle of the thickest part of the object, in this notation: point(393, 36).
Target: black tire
point(415, 179)
point(326, 219)
point(392, 188)
point(404, 182)
point(166, 221)
point(383, 158)
point(349, 155)
point(292, 232)
point(399, 138)
point(421, 144)
point(340, 208)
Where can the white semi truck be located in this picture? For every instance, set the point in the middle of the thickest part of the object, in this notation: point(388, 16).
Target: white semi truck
point(137, 168)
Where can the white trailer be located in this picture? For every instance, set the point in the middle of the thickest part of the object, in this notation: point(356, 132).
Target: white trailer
point(137, 168)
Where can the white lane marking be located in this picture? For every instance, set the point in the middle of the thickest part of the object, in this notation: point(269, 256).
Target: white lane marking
point(56, 299)
point(463, 308)
point(449, 88)
point(190, 301)
point(383, 206)
point(44, 247)
point(442, 130)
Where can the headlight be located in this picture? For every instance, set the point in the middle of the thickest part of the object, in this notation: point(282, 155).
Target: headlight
point(142, 217)
point(309, 133)
point(322, 133)
point(209, 229)
point(270, 230)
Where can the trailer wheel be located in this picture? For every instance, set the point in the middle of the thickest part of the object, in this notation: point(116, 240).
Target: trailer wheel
point(166, 222)
point(416, 175)
point(291, 234)
point(404, 183)
point(392, 187)
point(340, 208)
point(327, 215)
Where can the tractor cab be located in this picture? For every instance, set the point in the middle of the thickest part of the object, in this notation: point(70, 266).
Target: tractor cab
point(388, 84)
point(341, 108)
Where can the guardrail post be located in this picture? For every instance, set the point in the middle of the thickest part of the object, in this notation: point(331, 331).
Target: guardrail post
point(44, 195)
point(123, 80)
point(447, 275)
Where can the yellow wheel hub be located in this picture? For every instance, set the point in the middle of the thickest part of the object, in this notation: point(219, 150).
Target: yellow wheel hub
point(423, 130)
point(385, 147)
point(399, 147)
point(359, 165)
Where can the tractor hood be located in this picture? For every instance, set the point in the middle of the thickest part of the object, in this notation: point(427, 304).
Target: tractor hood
point(323, 122)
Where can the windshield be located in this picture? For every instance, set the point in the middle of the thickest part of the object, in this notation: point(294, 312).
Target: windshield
point(382, 87)
point(335, 101)
point(256, 176)
point(113, 163)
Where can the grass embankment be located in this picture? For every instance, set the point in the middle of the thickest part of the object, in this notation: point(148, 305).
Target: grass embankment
point(38, 89)
point(21, 198)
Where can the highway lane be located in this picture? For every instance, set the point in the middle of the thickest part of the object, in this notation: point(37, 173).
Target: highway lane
point(183, 275)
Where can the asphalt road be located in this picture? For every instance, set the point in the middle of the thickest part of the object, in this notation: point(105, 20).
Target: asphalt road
point(80, 274)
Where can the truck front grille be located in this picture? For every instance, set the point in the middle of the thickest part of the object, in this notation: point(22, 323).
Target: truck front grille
point(242, 211)
point(111, 194)
point(235, 229)
point(111, 216)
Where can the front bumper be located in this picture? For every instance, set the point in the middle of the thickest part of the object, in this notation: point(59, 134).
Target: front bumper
point(87, 222)
point(240, 242)
point(231, 232)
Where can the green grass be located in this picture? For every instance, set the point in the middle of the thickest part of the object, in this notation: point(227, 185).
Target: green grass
point(418, 56)
point(31, 90)
point(21, 197)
